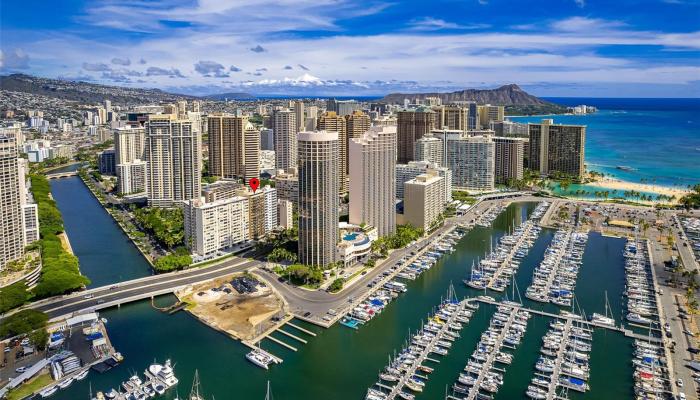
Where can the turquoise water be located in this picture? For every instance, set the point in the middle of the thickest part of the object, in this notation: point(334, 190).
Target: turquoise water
point(658, 138)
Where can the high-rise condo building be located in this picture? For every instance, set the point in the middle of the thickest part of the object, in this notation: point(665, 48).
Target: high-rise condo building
point(287, 185)
point(411, 126)
point(173, 153)
point(299, 115)
point(11, 228)
point(318, 197)
point(133, 177)
point(429, 148)
point(471, 159)
point(311, 117)
point(451, 117)
point(509, 159)
point(220, 190)
point(129, 144)
point(262, 210)
point(285, 214)
point(557, 149)
point(330, 121)
point(210, 227)
point(285, 130)
point(267, 139)
point(357, 124)
point(30, 210)
point(489, 113)
point(234, 147)
point(424, 200)
point(406, 172)
point(106, 162)
point(342, 107)
point(372, 176)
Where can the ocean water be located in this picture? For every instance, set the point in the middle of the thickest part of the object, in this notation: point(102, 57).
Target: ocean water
point(659, 139)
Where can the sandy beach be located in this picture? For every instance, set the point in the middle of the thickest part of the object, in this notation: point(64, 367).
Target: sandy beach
point(622, 186)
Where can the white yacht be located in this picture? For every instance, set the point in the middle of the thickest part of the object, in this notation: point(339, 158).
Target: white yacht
point(259, 358)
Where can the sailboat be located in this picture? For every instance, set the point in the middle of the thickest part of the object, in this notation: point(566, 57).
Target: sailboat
point(194, 393)
point(606, 319)
point(268, 395)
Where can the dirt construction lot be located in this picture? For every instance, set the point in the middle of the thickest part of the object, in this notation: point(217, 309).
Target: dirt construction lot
point(243, 316)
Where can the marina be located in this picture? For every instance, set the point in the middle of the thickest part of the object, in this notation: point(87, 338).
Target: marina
point(407, 369)
point(554, 280)
point(483, 377)
point(500, 265)
point(363, 351)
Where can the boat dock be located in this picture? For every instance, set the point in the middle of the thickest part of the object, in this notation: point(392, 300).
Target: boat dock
point(554, 378)
point(396, 390)
point(339, 314)
point(488, 364)
point(627, 332)
point(528, 226)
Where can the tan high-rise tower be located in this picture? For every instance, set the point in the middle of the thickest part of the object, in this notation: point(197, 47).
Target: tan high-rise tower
point(173, 153)
point(234, 147)
point(330, 121)
point(411, 126)
point(372, 179)
point(285, 130)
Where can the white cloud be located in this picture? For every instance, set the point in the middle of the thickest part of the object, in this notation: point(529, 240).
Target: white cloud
point(430, 24)
point(14, 60)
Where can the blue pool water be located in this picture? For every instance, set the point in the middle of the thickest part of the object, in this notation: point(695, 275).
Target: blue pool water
point(350, 237)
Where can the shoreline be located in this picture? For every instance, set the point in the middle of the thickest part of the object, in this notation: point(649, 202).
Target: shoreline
point(621, 185)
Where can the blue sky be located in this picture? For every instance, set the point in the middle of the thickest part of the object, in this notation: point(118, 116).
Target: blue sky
point(616, 48)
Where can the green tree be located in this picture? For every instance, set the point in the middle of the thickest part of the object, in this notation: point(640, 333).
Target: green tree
point(22, 322)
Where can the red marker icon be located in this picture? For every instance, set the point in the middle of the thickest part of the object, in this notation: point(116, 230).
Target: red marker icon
point(254, 183)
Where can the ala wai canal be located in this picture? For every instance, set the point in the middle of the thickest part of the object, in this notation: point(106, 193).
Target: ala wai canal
point(339, 363)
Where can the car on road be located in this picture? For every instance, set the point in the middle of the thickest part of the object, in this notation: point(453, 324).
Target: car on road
point(87, 296)
point(306, 314)
point(113, 287)
point(100, 301)
point(21, 369)
point(679, 382)
point(681, 396)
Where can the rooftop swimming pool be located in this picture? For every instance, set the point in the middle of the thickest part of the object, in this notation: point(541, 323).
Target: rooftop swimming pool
point(350, 237)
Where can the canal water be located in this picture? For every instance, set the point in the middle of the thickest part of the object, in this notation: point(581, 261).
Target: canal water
point(339, 363)
point(105, 253)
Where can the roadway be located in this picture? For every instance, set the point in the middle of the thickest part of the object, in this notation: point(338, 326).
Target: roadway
point(142, 288)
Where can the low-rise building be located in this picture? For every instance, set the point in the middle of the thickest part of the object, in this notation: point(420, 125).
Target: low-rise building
point(424, 200)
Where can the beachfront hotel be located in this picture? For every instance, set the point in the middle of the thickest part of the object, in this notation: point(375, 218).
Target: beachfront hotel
point(557, 148)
